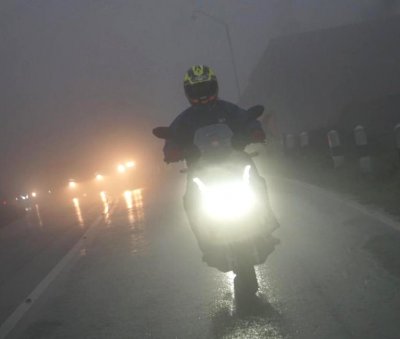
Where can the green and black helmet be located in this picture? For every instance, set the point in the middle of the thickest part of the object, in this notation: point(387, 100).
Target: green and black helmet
point(201, 85)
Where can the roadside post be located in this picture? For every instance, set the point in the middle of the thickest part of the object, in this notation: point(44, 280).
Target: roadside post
point(290, 144)
point(336, 149)
point(360, 137)
point(304, 141)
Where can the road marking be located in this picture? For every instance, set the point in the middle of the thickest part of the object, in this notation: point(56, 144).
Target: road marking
point(373, 212)
point(10, 323)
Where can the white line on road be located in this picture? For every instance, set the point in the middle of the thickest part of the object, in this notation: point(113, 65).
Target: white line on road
point(30, 300)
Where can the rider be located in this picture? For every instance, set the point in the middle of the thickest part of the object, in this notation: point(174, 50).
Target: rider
point(201, 89)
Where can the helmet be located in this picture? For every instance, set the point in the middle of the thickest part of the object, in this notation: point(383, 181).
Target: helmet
point(200, 84)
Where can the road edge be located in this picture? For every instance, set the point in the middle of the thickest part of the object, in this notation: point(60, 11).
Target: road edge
point(371, 211)
point(9, 324)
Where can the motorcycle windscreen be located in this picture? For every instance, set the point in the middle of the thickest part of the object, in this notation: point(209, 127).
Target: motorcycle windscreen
point(213, 139)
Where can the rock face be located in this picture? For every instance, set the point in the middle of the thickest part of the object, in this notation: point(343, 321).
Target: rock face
point(311, 79)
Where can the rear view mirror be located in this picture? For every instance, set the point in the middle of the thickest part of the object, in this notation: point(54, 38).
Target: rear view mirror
point(162, 132)
point(255, 112)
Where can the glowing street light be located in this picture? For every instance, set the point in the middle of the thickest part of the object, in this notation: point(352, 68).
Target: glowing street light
point(99, 177)
point(121, 168)
point(130, 164)
point(72, 184)
point(34, 194)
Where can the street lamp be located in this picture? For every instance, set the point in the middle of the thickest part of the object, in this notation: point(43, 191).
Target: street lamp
point(130, 164)
point(72, 184)
point(99, 177)
point(121, 168)
point(195, 14)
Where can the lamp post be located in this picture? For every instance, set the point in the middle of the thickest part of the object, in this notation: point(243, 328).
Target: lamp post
point(195, 14)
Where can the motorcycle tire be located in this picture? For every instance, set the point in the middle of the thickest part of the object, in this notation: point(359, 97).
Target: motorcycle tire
point(245, 282)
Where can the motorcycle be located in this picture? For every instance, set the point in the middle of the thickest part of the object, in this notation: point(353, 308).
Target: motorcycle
point(226, 202)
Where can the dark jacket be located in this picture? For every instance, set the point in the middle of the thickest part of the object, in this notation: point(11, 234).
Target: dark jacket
point(184, 126)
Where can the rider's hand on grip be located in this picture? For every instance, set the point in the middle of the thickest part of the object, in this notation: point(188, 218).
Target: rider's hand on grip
point(258, 136)
point(173, 155)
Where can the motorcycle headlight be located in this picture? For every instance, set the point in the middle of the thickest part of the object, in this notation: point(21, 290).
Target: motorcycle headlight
point(227, 200)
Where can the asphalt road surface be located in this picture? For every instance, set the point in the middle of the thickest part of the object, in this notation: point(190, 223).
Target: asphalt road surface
point(128, 267)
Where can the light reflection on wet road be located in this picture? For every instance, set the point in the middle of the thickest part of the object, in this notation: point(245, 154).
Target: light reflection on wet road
point(129, 207)
point(30, 247)
point(142, 277)
point(78, 212)
point(136, 220)
point(106, 207)
point(146, 270)
point(39, 217)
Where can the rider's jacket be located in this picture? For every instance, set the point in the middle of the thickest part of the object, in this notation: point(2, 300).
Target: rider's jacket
point(183, 128)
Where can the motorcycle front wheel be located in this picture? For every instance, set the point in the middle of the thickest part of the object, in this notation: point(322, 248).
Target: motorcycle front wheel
point(245, 282)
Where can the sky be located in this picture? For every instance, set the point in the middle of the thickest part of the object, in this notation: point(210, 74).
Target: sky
point(84, 81)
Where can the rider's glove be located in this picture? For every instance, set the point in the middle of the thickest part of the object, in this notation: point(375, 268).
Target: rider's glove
point(173, 154)
point(257, 136)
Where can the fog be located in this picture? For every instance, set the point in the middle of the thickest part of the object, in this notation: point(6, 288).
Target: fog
point(83, 82)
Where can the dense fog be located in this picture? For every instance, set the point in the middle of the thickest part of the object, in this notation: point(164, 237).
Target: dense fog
point(83, 82)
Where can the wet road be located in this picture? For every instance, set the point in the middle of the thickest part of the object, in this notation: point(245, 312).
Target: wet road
point(137, 273)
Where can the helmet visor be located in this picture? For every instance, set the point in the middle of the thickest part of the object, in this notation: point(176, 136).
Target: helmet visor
point(202, 90)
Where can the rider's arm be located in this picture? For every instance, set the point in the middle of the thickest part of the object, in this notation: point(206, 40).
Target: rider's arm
point(254, 131)
point(246, 131)
point(174, 149)
point(173, 152)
